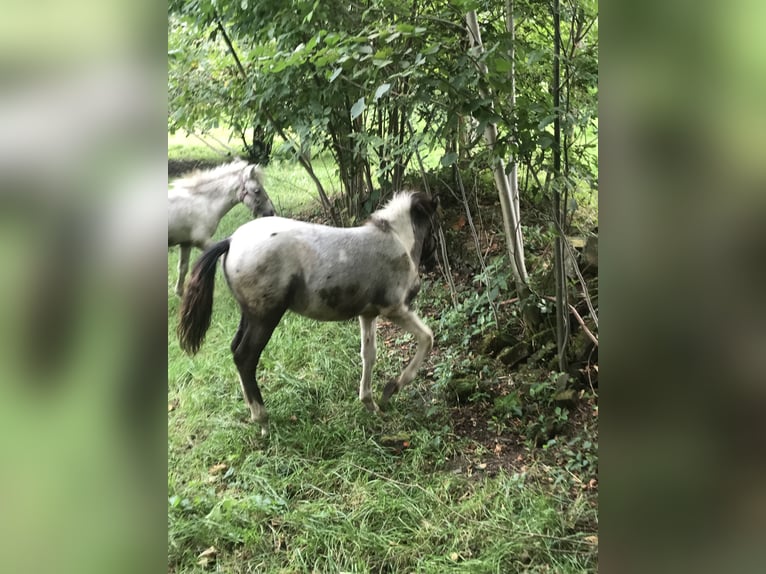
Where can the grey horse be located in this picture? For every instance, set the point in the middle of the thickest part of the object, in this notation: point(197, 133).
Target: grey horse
point(273, 265)
point(198, 201)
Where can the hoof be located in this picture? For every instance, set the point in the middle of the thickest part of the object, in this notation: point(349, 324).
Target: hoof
point(371, 405)
point(389, 390)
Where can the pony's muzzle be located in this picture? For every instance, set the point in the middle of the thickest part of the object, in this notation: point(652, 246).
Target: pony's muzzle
point(268, 212)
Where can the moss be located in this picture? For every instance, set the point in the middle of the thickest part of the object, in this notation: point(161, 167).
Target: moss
point(459, 390)
point(511, 356)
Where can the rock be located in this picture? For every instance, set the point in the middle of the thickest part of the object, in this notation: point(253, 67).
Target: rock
point(511, 356)
point(590, 253)
point(494, 342)
point(459, 389)
point(565, 398)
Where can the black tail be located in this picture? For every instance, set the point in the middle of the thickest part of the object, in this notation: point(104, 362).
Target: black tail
point(197, 303)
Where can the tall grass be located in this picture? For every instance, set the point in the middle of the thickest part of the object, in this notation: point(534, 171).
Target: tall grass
point(327, 491)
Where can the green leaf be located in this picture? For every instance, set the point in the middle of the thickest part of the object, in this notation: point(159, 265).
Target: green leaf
point(547, 120)
point(449, 158)
point(357, 108)
point(382, 89)
point(500, 65)
point(336, 72)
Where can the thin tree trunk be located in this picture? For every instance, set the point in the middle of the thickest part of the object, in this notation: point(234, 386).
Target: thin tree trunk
point(445, 267)
point(511, 219)
point(562, 310)
point(510, 27)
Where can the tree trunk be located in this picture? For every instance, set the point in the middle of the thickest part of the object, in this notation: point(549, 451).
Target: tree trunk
point(511, 215)
point(510, 27)
point(562, 309)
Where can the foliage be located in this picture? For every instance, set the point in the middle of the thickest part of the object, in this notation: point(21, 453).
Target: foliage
point(375, 82)
point(205, 89)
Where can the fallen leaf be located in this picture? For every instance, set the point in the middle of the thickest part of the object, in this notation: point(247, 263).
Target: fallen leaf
point(216, 468)
point(172, 405)
point(498, 448)
point(207, 556)
point(591, 540)
point(454, 556)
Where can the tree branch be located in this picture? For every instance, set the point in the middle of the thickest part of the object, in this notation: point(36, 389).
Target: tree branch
point(580, 320)
point(226, 39)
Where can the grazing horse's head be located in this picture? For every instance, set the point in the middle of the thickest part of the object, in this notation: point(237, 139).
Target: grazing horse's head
point(423, 212)
point(252, 193)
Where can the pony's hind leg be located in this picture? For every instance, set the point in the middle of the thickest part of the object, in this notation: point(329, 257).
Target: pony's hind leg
point(183, 267)
point(251, 338)
point(367, 325)
point(410, 322)
point(240, 333)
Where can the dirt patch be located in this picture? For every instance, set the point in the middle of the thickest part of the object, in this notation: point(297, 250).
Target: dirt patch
point(487, 451)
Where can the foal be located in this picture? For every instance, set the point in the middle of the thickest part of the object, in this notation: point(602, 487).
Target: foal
point(274, 265)
point(198, 201)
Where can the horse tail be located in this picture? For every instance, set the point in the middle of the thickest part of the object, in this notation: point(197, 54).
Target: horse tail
point(197, 302)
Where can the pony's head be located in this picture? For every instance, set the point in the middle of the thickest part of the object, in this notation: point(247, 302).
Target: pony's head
point(253, 194)
point(423, 211)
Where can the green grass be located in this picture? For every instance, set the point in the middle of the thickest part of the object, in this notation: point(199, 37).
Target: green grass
point(185, 146)
point(324, 492)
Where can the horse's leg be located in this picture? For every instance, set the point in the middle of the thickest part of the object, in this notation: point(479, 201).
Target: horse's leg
point(251, 338)
point(367, 325)
point(183, 267)
point(410, 322)
point(239, 334)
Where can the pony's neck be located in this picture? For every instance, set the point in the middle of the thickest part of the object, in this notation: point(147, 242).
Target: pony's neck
point(227, 194)
point(402, 228)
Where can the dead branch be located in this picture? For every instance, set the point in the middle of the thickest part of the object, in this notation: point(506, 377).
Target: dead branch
point(580, 320)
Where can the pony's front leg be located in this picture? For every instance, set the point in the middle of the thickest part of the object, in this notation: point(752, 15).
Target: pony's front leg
point(367, 325)
point(410, 322)
point(183, 267)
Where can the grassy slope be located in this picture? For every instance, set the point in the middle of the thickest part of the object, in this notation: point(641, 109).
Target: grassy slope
point(324, 493)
